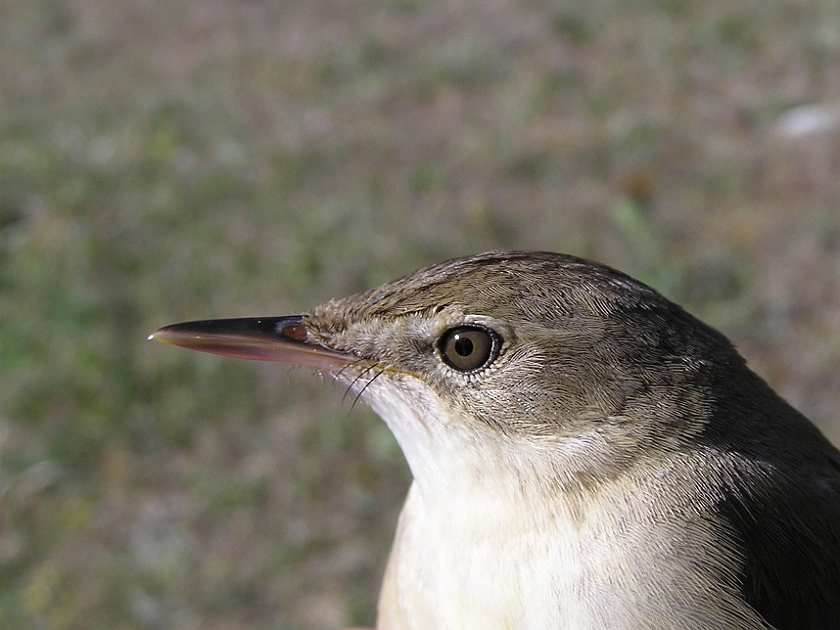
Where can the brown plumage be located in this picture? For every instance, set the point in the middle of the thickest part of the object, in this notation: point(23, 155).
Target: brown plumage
point(586, 454)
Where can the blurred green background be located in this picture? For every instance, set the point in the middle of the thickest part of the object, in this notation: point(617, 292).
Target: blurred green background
point(163, 160)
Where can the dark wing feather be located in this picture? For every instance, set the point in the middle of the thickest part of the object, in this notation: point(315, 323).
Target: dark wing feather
point(788, 528)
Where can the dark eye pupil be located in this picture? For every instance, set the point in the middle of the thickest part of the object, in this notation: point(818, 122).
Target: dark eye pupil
point(469, 348)
point(463, 346)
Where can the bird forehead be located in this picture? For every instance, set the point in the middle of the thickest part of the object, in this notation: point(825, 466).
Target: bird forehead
point(531, 295)
point(502, 286)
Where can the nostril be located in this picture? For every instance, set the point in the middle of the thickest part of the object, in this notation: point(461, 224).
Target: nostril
point(292, 331)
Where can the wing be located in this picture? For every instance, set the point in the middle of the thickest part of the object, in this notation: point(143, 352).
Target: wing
point(789, 531)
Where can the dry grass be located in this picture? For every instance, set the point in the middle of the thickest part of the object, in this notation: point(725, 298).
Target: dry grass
point(170, 160)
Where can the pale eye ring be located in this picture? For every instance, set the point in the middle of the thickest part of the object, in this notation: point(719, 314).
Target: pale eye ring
point(469, 348)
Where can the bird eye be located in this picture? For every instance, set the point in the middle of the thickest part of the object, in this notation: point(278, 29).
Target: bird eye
point(469, 348)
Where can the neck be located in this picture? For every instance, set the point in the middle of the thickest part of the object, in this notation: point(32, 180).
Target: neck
point(484, 542)
point(478, 539)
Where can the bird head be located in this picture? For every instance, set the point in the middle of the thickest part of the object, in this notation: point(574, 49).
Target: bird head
point(540, 360)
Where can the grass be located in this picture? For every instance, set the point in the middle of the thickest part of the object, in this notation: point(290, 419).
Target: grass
point(162, 161)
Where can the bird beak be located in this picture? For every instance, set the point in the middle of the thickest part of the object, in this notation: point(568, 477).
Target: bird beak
point(263, 338)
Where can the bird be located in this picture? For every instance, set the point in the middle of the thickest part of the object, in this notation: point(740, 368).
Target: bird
point(585, 454)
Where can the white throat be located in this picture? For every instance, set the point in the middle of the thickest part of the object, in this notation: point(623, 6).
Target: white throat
point(481, 544)
point(476, 547)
